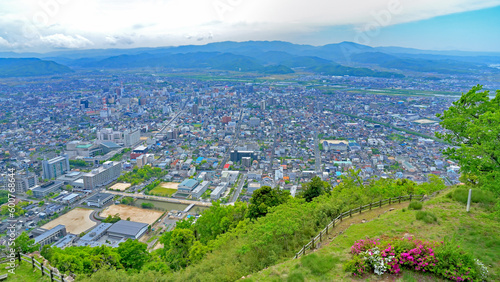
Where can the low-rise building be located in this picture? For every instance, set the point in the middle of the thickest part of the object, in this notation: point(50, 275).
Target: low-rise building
point(45, 189)
point(99, 200)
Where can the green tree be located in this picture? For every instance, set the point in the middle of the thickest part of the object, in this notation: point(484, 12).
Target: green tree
point(133, 254)
point(314, 188)
point(24, 244)
point(473, 124)
point(265, 198)
point(29, 193)
point(180, 243)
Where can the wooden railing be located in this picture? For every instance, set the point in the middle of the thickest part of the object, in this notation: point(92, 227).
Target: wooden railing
point(329, 228)
point(54, 275)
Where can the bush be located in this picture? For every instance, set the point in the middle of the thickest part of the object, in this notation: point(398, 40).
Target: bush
point(415, 206)
point(445, 259)
point(426, 217)
point(478, 196)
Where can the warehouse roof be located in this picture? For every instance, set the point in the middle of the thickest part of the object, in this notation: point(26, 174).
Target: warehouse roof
point(128, 228)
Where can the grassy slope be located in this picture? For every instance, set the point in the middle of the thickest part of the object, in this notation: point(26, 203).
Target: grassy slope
point(478, 235)
point(24, 273)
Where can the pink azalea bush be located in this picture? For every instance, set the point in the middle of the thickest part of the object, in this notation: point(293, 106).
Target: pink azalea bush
point(440, 258)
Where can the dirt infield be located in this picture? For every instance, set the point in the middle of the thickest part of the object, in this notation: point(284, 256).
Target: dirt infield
point(76, 221)
point(136, 214)
point(120, 186)
point(170, 185)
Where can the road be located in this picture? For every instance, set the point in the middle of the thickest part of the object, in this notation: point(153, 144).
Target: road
point(236, 137)
point(163, 199)
point(241, 183)
point(317, 153)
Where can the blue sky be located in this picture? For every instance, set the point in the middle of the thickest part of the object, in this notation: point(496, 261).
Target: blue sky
point(467, 31)
point(31, 25)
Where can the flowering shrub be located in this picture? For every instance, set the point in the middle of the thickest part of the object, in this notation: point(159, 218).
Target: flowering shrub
point(444, 259)
point(364, 245)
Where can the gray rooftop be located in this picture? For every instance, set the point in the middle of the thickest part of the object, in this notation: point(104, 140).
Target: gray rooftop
point(51, 232)
point(100, 197)
point(129, 228)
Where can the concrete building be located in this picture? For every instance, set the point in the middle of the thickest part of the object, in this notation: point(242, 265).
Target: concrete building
point(51, 235)
point(24, 181)
point(187, 185)
point(99, 200)
point(73, 178)
point(131, 137)
point(200, 189)
point(45, 189)
point(219, 191)
point(237, 156)
point(103, 175)
point(55, 167)
point(66, 241)
point(127, 229)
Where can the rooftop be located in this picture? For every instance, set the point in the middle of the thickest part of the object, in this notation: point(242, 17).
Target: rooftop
point(126, 227)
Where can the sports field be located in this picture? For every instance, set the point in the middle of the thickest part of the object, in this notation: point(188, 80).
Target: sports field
point(120, 186)
point(136, 214)
point(76, 221)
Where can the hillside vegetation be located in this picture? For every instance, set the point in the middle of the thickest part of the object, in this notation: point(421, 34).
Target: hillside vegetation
point(226, 243)
point(474, 232)
point(30, 67)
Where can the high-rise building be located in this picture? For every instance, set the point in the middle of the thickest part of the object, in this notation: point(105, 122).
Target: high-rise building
point(103, 175)
point(23, 181)
point(131, 137)
point(55, 167)
point(195, 109)
point(263, 105)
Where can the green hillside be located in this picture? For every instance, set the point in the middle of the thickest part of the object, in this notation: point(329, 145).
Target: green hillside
point(30, 67)
point(475, 233)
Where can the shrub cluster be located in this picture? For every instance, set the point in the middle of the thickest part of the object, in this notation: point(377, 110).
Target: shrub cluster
point(426, 217)
point(444, 259)
point(415, 205)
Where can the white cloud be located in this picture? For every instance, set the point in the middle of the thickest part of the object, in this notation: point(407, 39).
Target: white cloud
point(172, 22)
point(4, 43)
point(66, 41)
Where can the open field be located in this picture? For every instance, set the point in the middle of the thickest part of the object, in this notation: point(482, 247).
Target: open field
point(120, 186)
point(425, 121)
point(170, 185)
point(76, 221)
point(164, 192)
point(135, 213)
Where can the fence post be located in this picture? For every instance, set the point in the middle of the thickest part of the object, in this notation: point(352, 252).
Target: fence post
point(320, 236)
point(312, 243)
point(380, 204)
point(19, 257)
point(389, 201)
point(350, 213)
point(410, 197)
point(41, 267)
point(340, 217)
point(370, 206)
point(33, 262)
point(327, 229)
point(51, 275)
point(360, 209)
point(400, 199)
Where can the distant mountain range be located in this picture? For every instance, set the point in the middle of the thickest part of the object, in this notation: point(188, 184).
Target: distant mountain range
point(267, 57)
point(14, 67)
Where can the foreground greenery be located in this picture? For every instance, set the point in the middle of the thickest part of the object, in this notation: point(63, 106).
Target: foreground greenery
point(472, 234)
point(228, 242)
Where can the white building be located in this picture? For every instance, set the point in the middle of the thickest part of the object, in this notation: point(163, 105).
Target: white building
point(103, 175)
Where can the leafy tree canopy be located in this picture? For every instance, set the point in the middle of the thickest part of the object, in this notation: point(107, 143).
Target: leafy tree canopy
point(473, 124)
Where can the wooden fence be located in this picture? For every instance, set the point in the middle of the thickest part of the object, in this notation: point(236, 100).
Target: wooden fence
point(329, 228)
point(54, 275)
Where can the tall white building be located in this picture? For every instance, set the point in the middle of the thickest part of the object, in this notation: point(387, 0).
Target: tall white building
point(55, 167)
point(103, 175)
point(131, 137)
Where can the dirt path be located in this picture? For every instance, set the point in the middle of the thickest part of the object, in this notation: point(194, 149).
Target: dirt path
point(357, 219)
